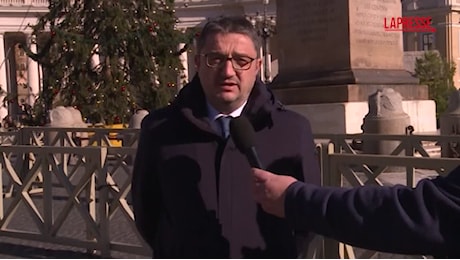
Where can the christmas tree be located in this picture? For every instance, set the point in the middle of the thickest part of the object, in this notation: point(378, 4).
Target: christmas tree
point(438, 74)
point(108, 58)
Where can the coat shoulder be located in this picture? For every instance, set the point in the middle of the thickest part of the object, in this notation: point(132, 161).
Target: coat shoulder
point(157, 117)
point(291, 117)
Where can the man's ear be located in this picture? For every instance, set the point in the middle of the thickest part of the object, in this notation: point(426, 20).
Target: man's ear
point(259, 64)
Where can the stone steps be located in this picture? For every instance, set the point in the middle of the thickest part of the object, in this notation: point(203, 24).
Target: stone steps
point(431, 148)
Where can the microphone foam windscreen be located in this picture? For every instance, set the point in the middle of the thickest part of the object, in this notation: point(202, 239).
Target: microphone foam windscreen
point(242, 133)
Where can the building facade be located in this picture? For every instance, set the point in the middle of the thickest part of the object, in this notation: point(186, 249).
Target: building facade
point(445, 19)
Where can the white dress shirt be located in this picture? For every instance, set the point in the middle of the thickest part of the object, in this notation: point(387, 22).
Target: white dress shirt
point(213, 115)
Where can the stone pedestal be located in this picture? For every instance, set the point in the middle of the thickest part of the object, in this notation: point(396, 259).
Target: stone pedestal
point(135, 122)
point(338, 52)
point(339, 42)
point(386, 116)
point(450, 125)
point(347, 117)
point(298, 93)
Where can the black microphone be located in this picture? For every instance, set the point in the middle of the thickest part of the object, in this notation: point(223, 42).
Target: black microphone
point(243, 134)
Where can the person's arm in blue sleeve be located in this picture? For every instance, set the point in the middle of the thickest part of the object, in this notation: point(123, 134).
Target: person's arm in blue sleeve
point(398, 219)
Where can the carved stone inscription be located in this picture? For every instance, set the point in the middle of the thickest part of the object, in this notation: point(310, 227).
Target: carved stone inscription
point(308, 30)
point(368, 24)
point(332, 35)
point(310, 20)
point(371, 45)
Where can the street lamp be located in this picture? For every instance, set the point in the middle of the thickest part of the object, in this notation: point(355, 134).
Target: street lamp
point(265, 27)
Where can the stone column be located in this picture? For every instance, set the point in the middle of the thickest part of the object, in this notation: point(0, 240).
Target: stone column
point(183, 76)
point(95, 59)
point(3, 76)
point(33, 77)
point(334, 54)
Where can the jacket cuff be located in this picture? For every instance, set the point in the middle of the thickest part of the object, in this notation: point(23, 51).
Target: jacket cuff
point(294, 207)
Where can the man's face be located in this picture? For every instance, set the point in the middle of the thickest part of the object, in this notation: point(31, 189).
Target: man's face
point(225, 87)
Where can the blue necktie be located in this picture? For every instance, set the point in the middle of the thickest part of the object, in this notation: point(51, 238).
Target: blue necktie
point(225, 125)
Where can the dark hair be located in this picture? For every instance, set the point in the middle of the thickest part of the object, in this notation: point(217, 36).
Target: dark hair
point(229, 24)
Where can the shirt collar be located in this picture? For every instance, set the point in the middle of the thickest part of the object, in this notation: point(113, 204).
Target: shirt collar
point(213, 114)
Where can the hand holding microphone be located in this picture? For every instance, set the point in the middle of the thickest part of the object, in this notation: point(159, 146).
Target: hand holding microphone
point(243, 135)
point(269, 189)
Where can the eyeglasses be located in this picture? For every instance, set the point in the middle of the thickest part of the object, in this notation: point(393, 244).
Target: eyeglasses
point(216, 60)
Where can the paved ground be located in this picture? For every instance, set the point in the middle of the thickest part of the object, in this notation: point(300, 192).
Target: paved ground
point(18, 248)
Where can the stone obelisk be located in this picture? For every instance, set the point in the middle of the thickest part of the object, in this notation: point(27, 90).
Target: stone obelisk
point(333, 54)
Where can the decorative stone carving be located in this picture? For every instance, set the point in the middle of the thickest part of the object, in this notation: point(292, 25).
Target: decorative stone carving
point(385, 116)
point(66, 117)
point(136, 120)
point(385, 103)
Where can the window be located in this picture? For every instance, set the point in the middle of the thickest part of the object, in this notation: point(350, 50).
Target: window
point(427, 41)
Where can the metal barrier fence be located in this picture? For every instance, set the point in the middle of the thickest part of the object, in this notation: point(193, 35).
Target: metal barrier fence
point(93, 190)
point(40, 164)
point(48, 176)
point(343, 165)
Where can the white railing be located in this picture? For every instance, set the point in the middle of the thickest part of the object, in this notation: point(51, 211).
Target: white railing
point(70, 204)
point(38, 164)
point(343, 164)
point(342, 167)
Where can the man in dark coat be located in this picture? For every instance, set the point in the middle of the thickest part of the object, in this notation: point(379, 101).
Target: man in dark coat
point(397, 219)
point(192, 194)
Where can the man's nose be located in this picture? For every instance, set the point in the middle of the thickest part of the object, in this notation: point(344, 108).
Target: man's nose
point(227, 67)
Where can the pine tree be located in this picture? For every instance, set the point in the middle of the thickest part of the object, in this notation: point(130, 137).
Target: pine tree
point(108, 58)
point(437, 74)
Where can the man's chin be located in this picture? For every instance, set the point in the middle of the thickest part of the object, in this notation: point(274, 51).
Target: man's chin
point(228, 97)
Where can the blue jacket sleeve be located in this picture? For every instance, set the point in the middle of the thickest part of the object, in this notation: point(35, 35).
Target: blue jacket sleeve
point(397, 219)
